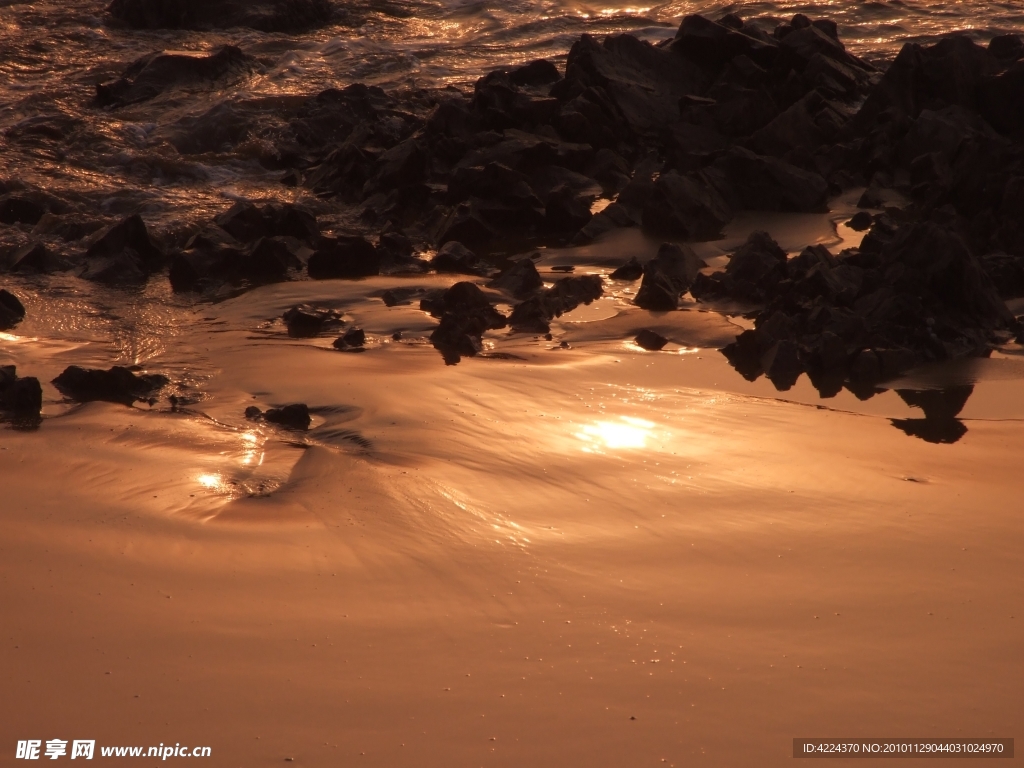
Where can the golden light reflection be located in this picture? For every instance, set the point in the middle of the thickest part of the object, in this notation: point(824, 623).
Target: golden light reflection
point(251, 453)
point(211, 481)
point(627, 433)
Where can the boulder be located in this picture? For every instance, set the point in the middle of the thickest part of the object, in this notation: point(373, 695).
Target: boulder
point(686, 208)
point(454, 257)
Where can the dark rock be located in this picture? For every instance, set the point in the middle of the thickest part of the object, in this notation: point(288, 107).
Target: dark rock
point(36, 258)
point(565, 211)
point(519, 280)
point(305, 321)
point(712, 44)
point(466, 313)
point(124, 268)
point(351, 340)
point(344, 257)
point(20, 210)
point(268, 261)
point(12, 311)
point(631, 270)
point(117, 385)
point(861, 221)
point(394, 297)
point(667, 276)
point(941, 407)
point(536, 313)
point(265, 15)
point(749, 181)
point(128, 235)
point(294, 416)
point(1006, 48)
point(685, 207)
point(454, 257)
point(782, 364)
point(650, 340)
point(539, 72)
point(153, 74)
point(20, 396)
point(248, 223)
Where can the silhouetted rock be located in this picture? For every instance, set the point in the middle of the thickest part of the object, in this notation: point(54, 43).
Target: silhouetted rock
point(631, 270)
point(36, 258)
point(519, 280)
point(454, 257)
point(352, 340)
point(248, 223)
point(21, 396)
point(650, 340)
point(116, 385)
point(153, 74)
point(12, 311)
point(15, 209)
point(294, 416)
point(536, 313)
point(667, 276)
point(686, 208)
point(344, 257)
point(465, 313)
point(123, 253)
point(305, 321)
point(941, 407)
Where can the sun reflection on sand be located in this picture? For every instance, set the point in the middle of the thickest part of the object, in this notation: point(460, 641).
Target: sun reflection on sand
point(211, 481)
point(627, 433)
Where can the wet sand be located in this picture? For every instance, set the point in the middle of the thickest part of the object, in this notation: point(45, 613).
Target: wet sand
point(502, 562)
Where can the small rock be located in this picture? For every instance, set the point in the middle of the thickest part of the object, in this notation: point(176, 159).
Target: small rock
point(116, 385)
point(650, 340)
point(294, 416)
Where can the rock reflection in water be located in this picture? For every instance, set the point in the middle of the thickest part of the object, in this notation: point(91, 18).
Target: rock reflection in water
point(941, 407)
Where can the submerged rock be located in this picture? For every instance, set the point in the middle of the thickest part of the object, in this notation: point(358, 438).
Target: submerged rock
point(536, 313)
point(295, 416)
point(153, 74)
point(116, 385)
point(305, 321)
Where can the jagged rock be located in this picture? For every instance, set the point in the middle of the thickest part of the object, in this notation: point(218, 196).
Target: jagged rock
point(454, 257)
point(265, 15)
point(755, 268)
point(667, 276)
point(344, 257)
point(20, 396)
point(685, 208)
point(12, 311)
point(519, 280)
point(123, 253)
point(35, 258)
point(351, 341)
point(749, 181)
point(941, 407)
point(466, 313)
point(711, 44)
point(20, 210)
point(539, 72)
point(116, 385)
point(536, 313)
point(650, 340)
point(631, 270)
point(268, 261)
point(157, 72)
point(305, 321)
point(248, 223)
